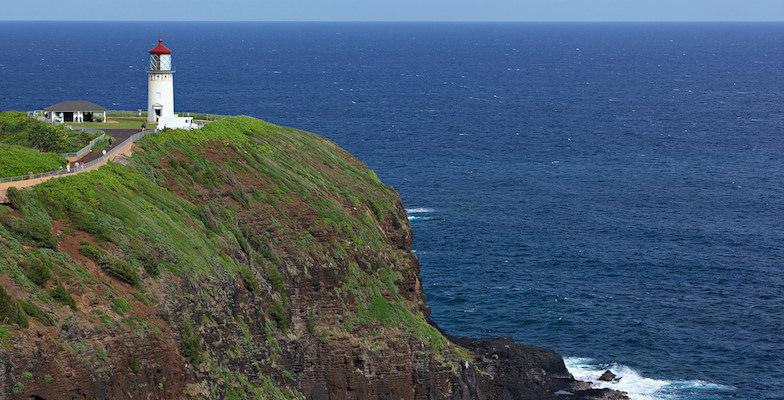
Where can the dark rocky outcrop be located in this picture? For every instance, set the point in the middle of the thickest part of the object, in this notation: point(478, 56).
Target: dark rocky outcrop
point(607, 376)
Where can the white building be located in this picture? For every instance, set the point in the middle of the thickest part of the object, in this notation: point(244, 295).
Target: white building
point(160, 91)
point(74, 111)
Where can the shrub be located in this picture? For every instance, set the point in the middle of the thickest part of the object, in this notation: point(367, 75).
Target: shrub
point(274, 277)
point(121, 305)
point(310, 322)
point(36, 270)
point(278, 312)
point(10, 311)
point(91, 252)
point(36, 232)
point(147, 257)
point(63, 296)
point(250, 281)
point(204, 212)
point(133, 365)
point(47, 138)
point(35, 226)
point(123, 270)
point(36, 312)
point(111, 264)
point(190, 344)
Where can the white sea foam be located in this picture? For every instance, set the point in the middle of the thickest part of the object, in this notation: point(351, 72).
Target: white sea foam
point(414, 214)
point(419, 210)
point(637, 386)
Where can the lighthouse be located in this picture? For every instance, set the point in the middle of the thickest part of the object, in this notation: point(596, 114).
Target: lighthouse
point(160, 84)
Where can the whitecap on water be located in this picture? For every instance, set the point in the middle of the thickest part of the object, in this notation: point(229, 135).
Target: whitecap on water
point(637, 386)
point(418, 210)
point(414, 214)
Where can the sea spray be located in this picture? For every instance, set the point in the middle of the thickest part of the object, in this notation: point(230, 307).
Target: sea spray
point(639, 387)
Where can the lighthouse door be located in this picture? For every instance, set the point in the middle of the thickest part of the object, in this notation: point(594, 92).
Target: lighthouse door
point(157, 108)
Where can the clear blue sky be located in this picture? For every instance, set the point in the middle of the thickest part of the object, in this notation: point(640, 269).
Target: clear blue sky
point(396, 10)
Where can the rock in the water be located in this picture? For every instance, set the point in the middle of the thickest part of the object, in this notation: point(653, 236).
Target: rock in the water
point(607, 376)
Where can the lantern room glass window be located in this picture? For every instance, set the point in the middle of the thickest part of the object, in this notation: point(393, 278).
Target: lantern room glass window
point(160, 62)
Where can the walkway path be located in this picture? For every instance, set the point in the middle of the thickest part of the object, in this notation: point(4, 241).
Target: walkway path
point(119, 135)
point(122, 145)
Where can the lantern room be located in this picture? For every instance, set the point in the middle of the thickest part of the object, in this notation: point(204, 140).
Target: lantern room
point(160, 58)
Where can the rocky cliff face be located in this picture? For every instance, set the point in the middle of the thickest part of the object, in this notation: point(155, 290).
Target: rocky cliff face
point(244, 260)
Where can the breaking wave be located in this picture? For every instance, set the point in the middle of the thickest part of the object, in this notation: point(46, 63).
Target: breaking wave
point(414, 214)
point(639, 387)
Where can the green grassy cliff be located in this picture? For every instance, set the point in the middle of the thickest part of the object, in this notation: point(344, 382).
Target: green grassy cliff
point(242, 260)
point(229, 247)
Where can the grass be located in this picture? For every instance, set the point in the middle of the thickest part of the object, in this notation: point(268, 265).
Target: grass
point(116, 122)
point(129, 120)
point(19, 160)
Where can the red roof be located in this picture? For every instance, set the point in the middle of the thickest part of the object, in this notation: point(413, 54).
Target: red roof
point(160, 48)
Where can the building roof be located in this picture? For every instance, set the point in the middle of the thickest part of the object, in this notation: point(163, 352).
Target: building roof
point(80, 105)
point(160, 48)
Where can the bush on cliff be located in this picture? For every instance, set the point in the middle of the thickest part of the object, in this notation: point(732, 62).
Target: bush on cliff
point(111, 264)
point(47, 138)
point(10, 311)
point(18, 129)
point(36, 270)
point(35, 225)
point(62, 296)
point(190, 347)
point(36, 312)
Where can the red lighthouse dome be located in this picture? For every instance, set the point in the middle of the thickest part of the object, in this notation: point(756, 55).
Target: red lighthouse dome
point(160, 48)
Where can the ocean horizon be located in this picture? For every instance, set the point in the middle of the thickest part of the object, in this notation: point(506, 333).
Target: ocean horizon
point(612, 191)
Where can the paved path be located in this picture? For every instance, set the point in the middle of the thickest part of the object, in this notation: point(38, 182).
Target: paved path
point(125, 149)
point(119, 135)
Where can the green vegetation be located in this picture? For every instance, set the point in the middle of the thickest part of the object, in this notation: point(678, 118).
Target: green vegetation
point(10, 310)
point(34, 228)
point(116, 121)
point(47, 138)
point(36, 312)
point(131, 120)
point(133, 365)
point(190, 344)
point(63, 296)
point(111, 264)
point(18, 160)
point(121, 305)
point(37, 270)
point(18, 129)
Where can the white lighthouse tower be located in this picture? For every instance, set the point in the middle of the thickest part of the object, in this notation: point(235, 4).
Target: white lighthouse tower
point(160, 84)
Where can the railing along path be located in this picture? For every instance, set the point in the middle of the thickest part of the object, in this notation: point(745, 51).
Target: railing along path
point(74, 169)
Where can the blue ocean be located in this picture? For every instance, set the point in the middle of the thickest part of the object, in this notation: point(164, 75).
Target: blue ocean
point(613, 191)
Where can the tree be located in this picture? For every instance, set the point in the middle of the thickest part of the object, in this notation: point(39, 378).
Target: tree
point(47, 138)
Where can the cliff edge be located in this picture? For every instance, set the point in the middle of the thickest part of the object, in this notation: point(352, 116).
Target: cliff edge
point(242, 260)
